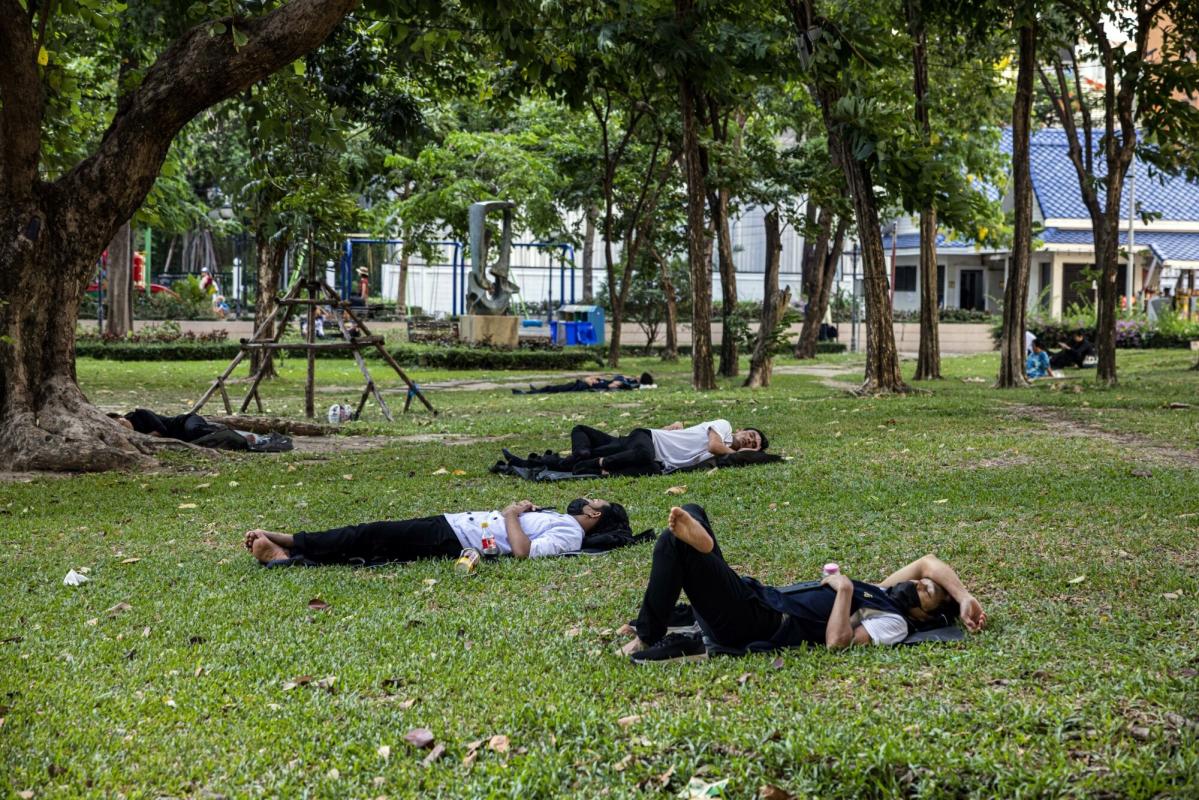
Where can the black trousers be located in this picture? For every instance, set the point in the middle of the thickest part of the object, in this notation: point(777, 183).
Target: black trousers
point(728, 610)
point(623, 455)
point(1066, 358)
point(404, 540)
point(559, 388)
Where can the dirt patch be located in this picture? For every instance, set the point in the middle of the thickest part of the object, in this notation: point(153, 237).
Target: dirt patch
point(29, 477)
point(1136, 448)
point(840, 386)
point(334, 445)
point(1000, 462)
point(818, 370)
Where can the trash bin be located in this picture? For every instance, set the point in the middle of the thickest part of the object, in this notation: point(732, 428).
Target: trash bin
point(590, 316)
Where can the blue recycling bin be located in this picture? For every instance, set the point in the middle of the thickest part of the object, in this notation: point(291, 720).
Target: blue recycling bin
point(589, 322)
point(564, 333)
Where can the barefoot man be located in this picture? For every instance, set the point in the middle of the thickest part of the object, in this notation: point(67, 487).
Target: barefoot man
point(521, 530)
point(735, 612)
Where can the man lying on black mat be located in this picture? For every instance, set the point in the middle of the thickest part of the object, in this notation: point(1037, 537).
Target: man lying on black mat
point(737, 612)
point(592, 383)
point(646, 451)
point(522, 530)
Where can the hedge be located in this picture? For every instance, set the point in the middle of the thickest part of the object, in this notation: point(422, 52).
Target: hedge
point(473, 358)
point(1130, 334)
point(638, 351)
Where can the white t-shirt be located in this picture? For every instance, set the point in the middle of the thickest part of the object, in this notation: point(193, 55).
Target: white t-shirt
point(549, 532)
point(883, 626)
point(689, 446)
point(1028, 340)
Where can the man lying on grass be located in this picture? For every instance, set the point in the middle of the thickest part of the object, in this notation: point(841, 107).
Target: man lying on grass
point(522, 530)
point(646, 451)
point(739, 613)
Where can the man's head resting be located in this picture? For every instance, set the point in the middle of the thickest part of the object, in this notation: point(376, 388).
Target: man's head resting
point(646, 379)
point(750, 439)
point(598, 516)
point(925, 602)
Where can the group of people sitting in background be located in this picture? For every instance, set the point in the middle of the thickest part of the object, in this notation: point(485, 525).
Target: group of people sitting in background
point(1077, 353)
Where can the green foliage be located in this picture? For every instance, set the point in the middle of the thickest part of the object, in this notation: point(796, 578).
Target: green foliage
point(453, 358)
point(646, 302)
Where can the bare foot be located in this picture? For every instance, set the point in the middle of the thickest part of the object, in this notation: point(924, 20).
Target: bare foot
point(687, 529)
point(626, 630)
point(268, 545)
point(635, 646)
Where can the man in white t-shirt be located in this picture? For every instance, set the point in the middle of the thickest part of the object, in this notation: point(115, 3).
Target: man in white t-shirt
point(646, 451)
point(521, 529)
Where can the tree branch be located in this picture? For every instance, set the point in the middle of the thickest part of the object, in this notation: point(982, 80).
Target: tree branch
point(194, 73)
point(1061, 103)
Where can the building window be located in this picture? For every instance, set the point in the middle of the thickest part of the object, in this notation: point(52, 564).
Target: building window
point(905, 279)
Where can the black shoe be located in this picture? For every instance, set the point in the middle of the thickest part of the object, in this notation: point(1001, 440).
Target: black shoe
point(512, 459)
point(682, 620)
point(674, 647)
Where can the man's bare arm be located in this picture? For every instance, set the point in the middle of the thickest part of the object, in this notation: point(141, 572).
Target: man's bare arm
point(839, 633)
point(937, 570)
point(518, 540)
point(716, 445)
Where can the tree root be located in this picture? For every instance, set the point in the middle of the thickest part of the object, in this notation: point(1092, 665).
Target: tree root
point(69, 434)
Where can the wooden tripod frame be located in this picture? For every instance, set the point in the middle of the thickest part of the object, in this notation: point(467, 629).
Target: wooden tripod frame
point(319, 294)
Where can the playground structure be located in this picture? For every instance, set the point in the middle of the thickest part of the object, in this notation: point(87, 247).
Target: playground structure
point(436, 279)
point(319, 293)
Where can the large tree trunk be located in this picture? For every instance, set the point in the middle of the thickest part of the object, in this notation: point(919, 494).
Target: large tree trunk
point(882, 358)
point(671, 351)
point(615, 304)
point(698, 251)
point(1015, 294)
point(402, 289)
point(813, 281)
point(1108, 251)
point(762, 362)
point(271, 251)
point(928, 360)
point(53, 233)
point(728, 284)
point(119, 322)
point(589, 253)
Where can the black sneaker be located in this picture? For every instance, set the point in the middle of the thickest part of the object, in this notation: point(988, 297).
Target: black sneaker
point(674, 647)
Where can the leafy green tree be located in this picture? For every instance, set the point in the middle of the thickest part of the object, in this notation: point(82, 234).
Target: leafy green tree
point(1145, 112)
point(60, 204)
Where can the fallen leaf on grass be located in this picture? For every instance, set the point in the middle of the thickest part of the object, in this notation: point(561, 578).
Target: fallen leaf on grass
point(118, 609)
point(430, 581)
point(1173, 595)
point(743, 679)
point(664, 778)
point(187, 505)
point(317, 604)
point(234, 484)
point(1077, 579)
point(498, 744)
point(25, 794)
point(303, 680)
point(777, 663)
point(384, 752)
point(631, 719)
point(942, 501)
point(573, 632)
point(771, 792)
point(420, 738)
point(199, 671)
point(472, 752)
point(327, 683)
point(623, 764)
point(676, 490)
point(130, 560)
point(203, 485)
point(441, 471)
point(1139, 732)
point(347, 477)
point(434, 754)
point(459, 472)
point(94, 621)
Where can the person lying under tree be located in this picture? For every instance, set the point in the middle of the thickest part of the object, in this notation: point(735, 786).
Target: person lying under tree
point(522, 530)
point(738, 612)
point(194, 429)
point(592, 383)
point(646, 451)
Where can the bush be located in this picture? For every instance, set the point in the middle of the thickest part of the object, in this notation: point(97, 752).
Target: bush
point(951, 315)
point(166, 331)
point(476, 358)
point(1135, 332)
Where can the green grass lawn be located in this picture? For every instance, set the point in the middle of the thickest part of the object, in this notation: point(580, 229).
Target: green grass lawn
point(1073, 516)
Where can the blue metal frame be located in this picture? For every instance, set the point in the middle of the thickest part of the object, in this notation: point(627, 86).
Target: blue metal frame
point(458, 269)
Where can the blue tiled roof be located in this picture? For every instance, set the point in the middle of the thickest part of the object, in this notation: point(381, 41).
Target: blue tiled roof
point(911, 241)
point(1168, 247)
point(1055, 182)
